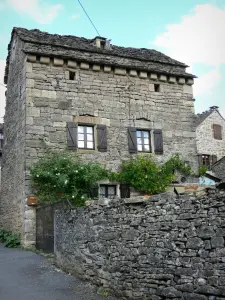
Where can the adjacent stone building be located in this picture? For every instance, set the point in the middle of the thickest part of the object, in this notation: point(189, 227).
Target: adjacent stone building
point(210, 135)
point(103, 101)
point(1, 147)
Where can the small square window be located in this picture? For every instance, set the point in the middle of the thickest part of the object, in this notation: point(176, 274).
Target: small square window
point(217, 132)
point(85, 137)
point(71, 75)
point(157, 87)
point(143, 140)
point(107, 191)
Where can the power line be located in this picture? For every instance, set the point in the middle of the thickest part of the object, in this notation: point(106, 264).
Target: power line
point(89, 17)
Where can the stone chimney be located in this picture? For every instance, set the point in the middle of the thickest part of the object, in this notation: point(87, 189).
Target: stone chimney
point(101, 42)
point(214, 107)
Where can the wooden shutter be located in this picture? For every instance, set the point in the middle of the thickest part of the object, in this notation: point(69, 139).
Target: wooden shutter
point(124, 191)
point(72, 135)
point(132, 140)
point(200, 161)
point(214, 159)
point(217, 132)
point(158, 141)
point(102, 138)
point(94, 191)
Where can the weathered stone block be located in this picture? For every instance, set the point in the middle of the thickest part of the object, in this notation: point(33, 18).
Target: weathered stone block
point(119, 71)
point(84, 66)
point(31, 58)
point(72, 64)
point(163, 78)
point(190, 81)
point(181, 80)
point(33, 112)
point(153, 76)
point(133, 73)
point(58, 62)
point(143, 75)
point(172, 79)
point(107, 69)
point(217, 242)
point(45, 60)
point(96, 68)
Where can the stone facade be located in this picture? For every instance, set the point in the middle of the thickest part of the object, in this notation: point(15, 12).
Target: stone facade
point(1, 146)
point(206, 143)
point(160, 248)
point(53, 80)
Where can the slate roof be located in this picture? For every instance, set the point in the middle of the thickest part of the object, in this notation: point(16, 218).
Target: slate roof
point(68, 41)
point(81, 49)
point(205, 114)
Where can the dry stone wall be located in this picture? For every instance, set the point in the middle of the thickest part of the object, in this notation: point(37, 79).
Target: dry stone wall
point(162, 248)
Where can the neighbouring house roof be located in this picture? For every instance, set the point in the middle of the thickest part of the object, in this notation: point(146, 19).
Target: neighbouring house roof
point(38, 42)
point(205, 114)
point(219, 162)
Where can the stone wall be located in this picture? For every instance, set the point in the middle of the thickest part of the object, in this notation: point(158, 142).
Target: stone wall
point(12, 197)
point(161, 248)
point(206, 144)
point(111, 97)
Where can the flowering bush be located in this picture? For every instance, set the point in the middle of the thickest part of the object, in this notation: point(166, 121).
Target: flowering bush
point(146, 175)
point(63, 175)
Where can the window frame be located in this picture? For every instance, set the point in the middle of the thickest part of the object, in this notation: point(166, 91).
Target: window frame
point(85, 125)
point(106, 190)
point(142, 139)
point(208, 158)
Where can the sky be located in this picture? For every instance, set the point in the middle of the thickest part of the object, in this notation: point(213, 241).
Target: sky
point(191, 31)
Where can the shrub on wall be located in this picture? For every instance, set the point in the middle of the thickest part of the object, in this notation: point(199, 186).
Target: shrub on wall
point(146, 175)
point(64, 175)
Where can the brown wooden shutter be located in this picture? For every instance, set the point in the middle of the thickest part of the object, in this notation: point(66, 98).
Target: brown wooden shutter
point(200, 161)
point(72, 135)
point(132, 140)
point(94, 191)
point(214, 159)
point(158, 141)
point(124, 191)
point(217, 132)
point(102, 138)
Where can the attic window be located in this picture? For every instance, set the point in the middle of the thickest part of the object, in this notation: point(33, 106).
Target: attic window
point(71, 75)
point(102, 44)
point(157, 87)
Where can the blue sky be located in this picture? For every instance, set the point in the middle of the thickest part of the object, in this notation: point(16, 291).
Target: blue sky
point(190, 31)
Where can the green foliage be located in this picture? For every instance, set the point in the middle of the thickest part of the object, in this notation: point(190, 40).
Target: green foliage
point(202, 170)
point(11, 240)
point(146, 175)
point(64, 175)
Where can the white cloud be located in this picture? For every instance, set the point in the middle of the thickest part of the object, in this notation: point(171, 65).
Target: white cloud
point(38, 10)
point(2, 90)
point(199, 38)
point(207, 82)
point(2, 5)
point(75, 17)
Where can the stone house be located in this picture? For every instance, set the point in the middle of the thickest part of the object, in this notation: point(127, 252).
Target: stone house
point(103, 101)
point(210, 136)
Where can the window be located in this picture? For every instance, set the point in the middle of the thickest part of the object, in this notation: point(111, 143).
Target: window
point(157, 87)
point(139, 140)
point(217, 132)
point(82, 136)
point(206, 160)
point(85, 137)
point(143, 140)
point(71, 75)
point(107, 191)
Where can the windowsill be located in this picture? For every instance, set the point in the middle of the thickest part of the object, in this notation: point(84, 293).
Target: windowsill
point(86, 150)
